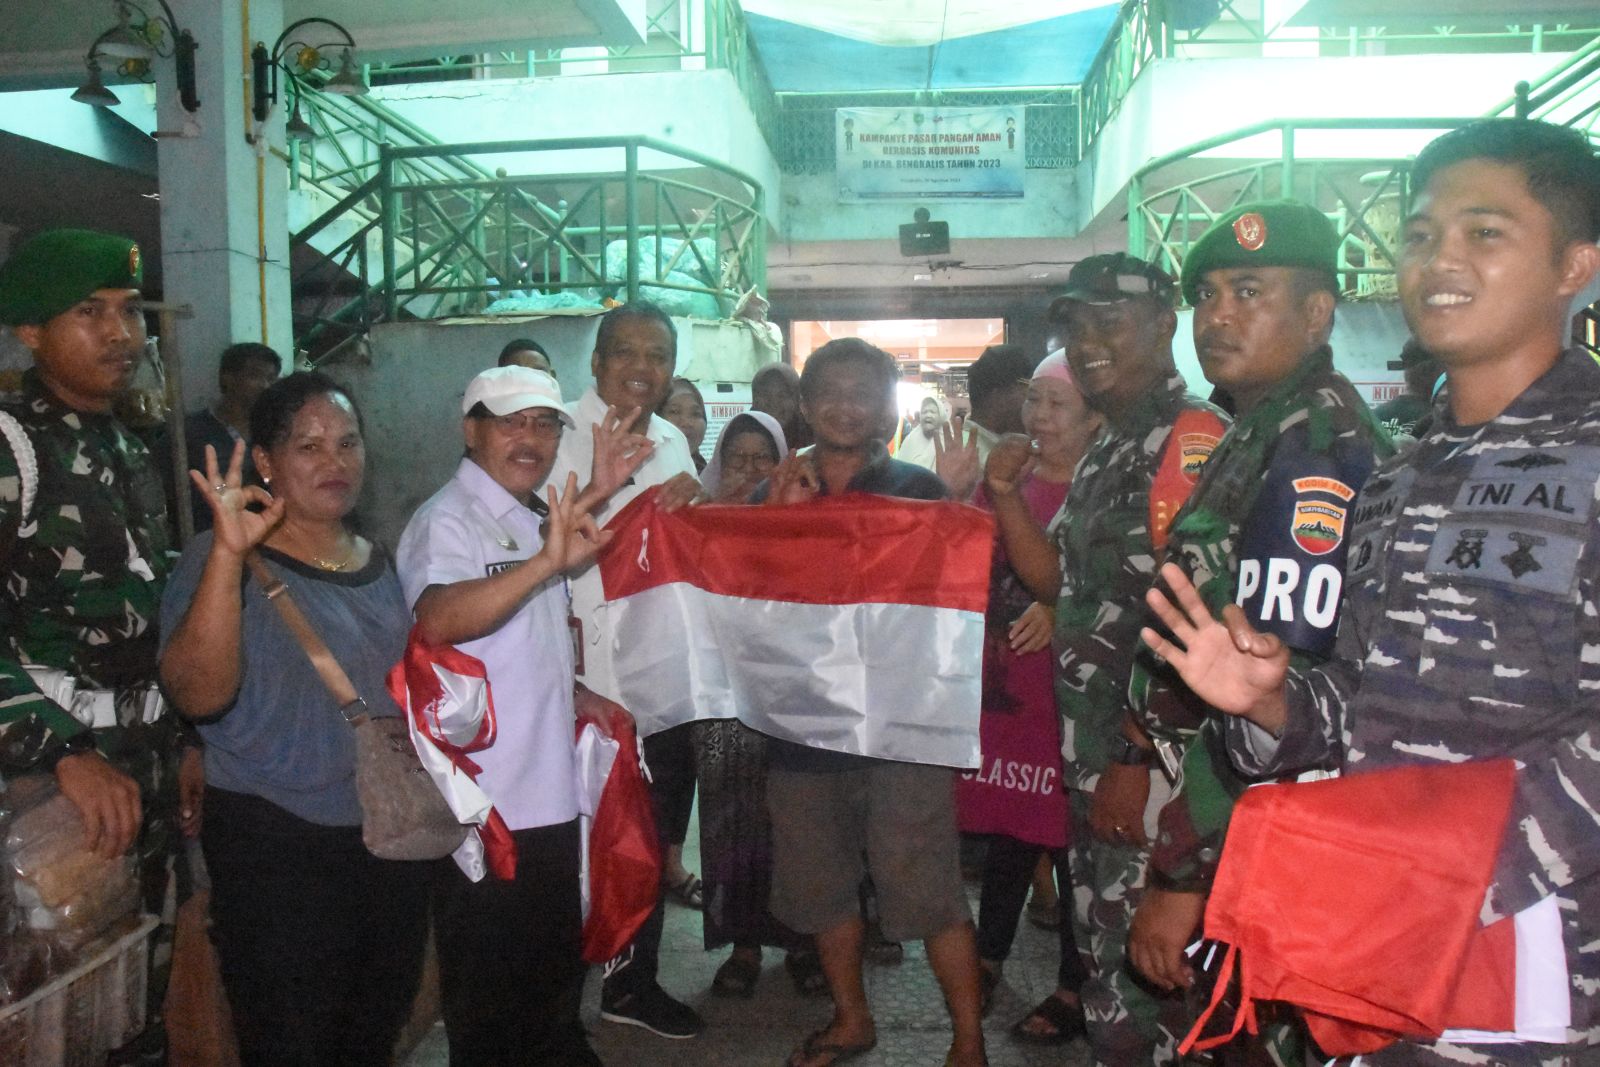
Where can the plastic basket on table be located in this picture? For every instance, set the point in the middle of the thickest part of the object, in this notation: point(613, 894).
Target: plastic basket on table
point(74, 1020)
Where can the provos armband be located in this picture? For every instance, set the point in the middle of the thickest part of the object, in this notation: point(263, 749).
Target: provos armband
point(1293, 544)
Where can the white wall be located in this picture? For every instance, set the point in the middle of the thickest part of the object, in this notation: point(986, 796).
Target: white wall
point(410, 392)
point(699, 110)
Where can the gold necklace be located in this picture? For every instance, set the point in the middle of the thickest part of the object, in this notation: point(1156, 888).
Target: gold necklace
point(336, 565)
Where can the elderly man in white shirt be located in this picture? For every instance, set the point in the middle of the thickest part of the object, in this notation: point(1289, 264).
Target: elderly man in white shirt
point(635, 354)
point(482, 572)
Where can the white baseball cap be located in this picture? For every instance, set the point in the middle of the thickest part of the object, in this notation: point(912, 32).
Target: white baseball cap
point(506, 389)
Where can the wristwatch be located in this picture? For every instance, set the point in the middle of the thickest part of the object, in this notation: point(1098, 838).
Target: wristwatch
point(1129, 754)
point(77, 745)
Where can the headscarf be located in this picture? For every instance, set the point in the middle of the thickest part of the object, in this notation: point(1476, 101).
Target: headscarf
point(1055, 366)
point(711, 477)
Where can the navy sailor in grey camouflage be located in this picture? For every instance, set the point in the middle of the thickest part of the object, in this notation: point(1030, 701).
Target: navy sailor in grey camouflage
point(1471, 625)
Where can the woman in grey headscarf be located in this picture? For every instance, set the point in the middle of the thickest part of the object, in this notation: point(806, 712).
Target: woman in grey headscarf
point(731, 765)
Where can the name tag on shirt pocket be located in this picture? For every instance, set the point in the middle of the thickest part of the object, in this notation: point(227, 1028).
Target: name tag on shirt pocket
point(1372, 520)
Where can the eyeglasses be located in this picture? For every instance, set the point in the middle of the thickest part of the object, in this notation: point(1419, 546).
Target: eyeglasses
point(520, 421)
point(759, 462)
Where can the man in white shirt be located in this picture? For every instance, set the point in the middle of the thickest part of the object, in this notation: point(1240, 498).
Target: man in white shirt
point(483, 573)
point(635, 354)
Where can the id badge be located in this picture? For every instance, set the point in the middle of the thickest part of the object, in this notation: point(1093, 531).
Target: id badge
point(575, 630)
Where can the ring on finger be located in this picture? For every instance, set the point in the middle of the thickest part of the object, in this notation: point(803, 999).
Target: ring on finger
point(221, 487)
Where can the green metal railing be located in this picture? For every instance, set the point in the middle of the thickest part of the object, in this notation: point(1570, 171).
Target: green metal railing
point(1135, 41)
point(1568, 93)
point(1365, 198)
point(451, 244)
point(334, 256)
point(422, 228)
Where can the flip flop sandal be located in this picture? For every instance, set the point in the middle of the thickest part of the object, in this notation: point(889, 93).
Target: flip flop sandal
point(813, 1046)
point(736, 977)
point(1066, 1022)
point(690, 892)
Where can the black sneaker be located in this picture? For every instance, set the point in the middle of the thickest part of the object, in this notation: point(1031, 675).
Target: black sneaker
point(654, 1010)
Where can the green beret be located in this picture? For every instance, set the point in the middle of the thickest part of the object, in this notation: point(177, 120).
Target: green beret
point(58, 268)
point(1269, 233)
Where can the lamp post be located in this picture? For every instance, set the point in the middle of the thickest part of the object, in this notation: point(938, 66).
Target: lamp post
point(138, 37)
point(297, 52)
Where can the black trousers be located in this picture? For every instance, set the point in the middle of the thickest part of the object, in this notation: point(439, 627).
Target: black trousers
point(320, 942)
point(1007, 875)
point(510, 957)
point(670, 756)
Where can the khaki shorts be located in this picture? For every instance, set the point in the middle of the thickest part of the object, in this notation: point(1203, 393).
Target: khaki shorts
point(900, 815)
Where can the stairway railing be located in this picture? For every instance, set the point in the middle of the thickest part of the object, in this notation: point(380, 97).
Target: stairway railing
point(1365, 198)
point(419, 239)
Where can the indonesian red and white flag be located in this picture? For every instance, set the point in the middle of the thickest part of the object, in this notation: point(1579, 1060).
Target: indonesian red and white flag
point(449, 710)
point(853, 623)
point(1393, 948)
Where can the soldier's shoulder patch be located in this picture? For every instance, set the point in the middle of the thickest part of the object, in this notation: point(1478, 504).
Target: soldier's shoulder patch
point(1321, 508)
point(1194, 449)
point(1196, 433)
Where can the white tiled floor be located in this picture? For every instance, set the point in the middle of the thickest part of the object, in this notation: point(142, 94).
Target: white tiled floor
point(913, 1030)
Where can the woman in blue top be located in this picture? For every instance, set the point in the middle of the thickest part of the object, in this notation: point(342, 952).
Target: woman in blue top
point(319, 941)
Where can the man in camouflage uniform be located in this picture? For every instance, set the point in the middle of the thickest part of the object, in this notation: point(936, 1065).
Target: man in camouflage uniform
point(84, 552)
point(1470, 626)
point(1117, 319)
point(1264, 527)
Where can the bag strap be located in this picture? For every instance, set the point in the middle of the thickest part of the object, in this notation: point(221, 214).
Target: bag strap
point(351, 706)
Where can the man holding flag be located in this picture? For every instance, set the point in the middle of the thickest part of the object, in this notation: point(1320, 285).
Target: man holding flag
point(829, 808)
point(1470, 626)
point(483, 564)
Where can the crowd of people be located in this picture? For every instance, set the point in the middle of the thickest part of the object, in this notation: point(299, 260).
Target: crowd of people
point(1187, 599)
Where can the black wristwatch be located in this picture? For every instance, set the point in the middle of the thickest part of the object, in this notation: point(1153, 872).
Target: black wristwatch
point(1129, 754)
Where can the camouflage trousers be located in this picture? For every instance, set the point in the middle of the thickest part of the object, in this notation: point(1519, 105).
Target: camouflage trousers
point(1130, 1022)
point(1439, 1054)
point(149, 755)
